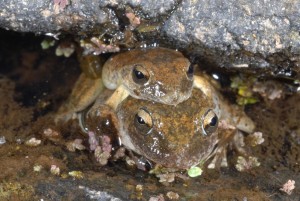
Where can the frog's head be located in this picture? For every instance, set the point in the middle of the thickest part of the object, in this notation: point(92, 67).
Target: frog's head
point(158, 74)
point(174, 136)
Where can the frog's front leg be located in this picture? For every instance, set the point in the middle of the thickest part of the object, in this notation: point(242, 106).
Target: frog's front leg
point(104, 109)
point(117, 97)
point(84, 93)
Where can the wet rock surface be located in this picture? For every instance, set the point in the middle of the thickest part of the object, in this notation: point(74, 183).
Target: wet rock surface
point(238, 34)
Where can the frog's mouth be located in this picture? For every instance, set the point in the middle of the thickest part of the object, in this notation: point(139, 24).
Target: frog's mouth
point(184, 159)
point(158, 93)
point(169, 159)
point(187, 161)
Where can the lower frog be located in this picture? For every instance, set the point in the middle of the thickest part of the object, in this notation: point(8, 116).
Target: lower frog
point(181, 136)
point(173, 136)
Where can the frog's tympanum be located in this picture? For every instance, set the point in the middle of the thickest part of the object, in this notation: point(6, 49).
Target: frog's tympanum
point(157, 74)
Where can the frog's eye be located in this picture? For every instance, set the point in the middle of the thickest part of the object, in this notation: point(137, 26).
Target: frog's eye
point(140, 75)
point(190, 72)
point(143, 121)
point(210, 122)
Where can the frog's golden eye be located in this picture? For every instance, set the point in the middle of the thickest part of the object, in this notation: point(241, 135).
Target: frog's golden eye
point(190, 72)
point(143, 121)
point(209, 122)
point(140, 75)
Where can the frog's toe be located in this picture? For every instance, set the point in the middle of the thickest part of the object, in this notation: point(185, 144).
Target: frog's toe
point(219, 158)
point(224, 162)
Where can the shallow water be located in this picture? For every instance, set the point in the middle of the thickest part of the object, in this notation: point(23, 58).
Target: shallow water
point(33, 83)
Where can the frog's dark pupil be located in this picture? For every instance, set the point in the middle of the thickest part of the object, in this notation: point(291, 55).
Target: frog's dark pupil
point(190, 70)
point(213, 121)
point(140, 120)
point(139, 74)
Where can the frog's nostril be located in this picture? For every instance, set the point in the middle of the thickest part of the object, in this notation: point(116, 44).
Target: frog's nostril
point(136, 92)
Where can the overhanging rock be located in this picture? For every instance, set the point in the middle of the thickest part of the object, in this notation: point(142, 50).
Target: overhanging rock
point(231, 33)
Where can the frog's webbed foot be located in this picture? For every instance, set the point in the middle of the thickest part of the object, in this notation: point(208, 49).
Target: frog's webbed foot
point(83, 94)
point(117, 97)
point(238, 142)
point(219, 158)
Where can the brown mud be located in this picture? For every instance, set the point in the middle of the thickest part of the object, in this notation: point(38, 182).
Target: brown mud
point(34, 82)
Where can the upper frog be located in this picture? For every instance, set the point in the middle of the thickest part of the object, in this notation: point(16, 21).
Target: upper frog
point(157, 74)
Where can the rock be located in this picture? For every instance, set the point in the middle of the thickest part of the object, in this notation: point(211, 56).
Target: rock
point(42, 16)
point(240, 33)
point(231, 33)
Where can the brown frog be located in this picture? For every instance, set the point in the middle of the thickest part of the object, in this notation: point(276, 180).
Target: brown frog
point(157, 74)
point(173, 136)
point(184, 135)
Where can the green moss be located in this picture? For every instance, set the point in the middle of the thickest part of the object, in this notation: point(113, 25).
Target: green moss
point(195, 171)
point(9, 190)
point(243, 85)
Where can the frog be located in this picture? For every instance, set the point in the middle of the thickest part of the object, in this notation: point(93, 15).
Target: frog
point(156, 74)
point(163, 134)
point(179, 136)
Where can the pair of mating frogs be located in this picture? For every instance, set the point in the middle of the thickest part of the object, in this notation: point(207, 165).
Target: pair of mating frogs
point(165, 113)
